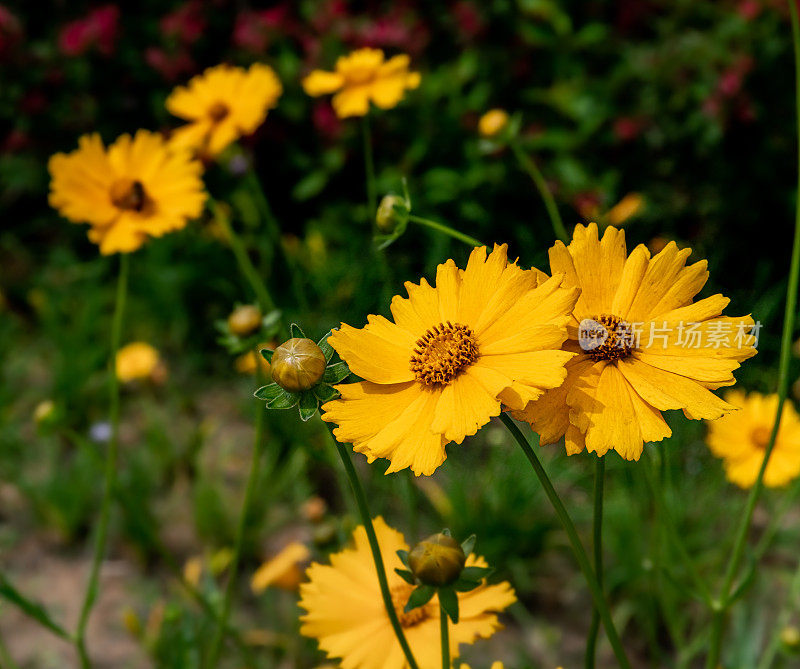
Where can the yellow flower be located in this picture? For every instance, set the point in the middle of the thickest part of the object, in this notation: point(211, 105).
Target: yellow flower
point(222, 104)
point(250, 362)
point(363, 76)
point(628, 207)
point(137, 360)
point(741, 438)
point(282, 570)
point(193, 570)
point(134, 189)
point(653, 348)
point(482, 336)
point(492, 122)
point(346, 613)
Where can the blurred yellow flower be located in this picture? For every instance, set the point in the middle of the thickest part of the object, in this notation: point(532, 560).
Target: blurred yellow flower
point(193, 570)
point(222, 104)
point(363, 76)
point(482, 336)
point(628, 207)
point(137, 360)
point(44, 410)
point(134, 189)
point(250, 362)
point(740, 439)
point(283, 570)
point(244, 319)
point(345, 611)
point(643, 346)
point(493, 122)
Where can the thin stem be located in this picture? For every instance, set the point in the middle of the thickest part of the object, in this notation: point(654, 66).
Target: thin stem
point(445, 229)
point(445, 634)
point(597, 545)
point(369, 169)
point(785, 616)
point(110, 476)
point(366, 518)
point(530, 167)
point(718, 623)
point(575, 542)
point(241, 531)
point(246, 266)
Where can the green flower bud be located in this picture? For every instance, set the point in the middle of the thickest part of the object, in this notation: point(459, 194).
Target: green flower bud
point(437, 560)
point(244, 320)
point(297, 365)
point(392, 214)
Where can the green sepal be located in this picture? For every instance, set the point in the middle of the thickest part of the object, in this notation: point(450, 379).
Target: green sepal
point(325, 347)
point(266, 354)
point(324, 393)
point(465, 585)
point(336, 373)
point(271, 321)
point(308, 405)
point(446, 532)
point(419, 597)
point(403, 555)
point(269, 392)
point(468, 544)
point(296, 332)
point(406, 575)
point(285, 400)
point(476, 573)
point(449, 602)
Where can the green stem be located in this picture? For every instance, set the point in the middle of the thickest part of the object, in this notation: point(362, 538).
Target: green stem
point(445, 634)
point(597, 545)
point(366, 519)
point(445, 229)
point(768, 659)
point(530, 167)
point(110, 476)
point(246, 266)
point(241, 531)
point(369, 168)
point(721, 609)
point(575, 542)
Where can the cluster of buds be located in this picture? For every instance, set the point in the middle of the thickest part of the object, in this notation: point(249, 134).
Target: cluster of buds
point(302, 374)
point(437, 566)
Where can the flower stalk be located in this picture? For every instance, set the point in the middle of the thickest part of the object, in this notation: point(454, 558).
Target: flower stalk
point(110, 477)
point(723, 601)
point(597, 546)
point(445, 230)
point(444, 630)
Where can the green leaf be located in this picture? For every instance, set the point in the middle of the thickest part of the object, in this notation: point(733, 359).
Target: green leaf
point(285, 400)
point(269, 392)
point(419, 597)
point(403, 555)
point(465, 585)
point(325, 393)
point(406, 575)
point(476, 573)
point(326, 348)
point(449, 601)
point(468, 544)
point(31, 609)
point(266, 354)
point(308, 405)
point(336, 373)
point(296, 332)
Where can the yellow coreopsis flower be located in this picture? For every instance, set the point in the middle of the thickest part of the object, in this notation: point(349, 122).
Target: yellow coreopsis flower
point(643, 346)
point(137, 360)
point(222, 104)
point(345, 611)
point(482, 336)
point(134, 189)
point(363, 76)
point(492, 122)
point(283, 570)
point(741, 438)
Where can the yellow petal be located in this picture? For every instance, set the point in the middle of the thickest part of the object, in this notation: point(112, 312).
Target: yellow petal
point(320, 82)
point(379, 352)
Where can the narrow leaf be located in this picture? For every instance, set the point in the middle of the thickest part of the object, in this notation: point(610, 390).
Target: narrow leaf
point(326, 348)
point(336, 373)
point(449, 601)
point(419, 597)
point(308, 405)
point(269, 392)
point(285, 400)
point(406, 575)
point(296, 332)
point(31, 609)
point(465, 585)
point(266, 354)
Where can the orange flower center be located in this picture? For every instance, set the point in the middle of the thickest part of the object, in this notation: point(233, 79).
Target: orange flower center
point(129, 194)
point(218, 111)
point(443, 352)
point(400, 594)
point(760, 437)
point(606, 337)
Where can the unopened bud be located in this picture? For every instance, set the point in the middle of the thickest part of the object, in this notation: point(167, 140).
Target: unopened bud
point(493, 122)
point(790, 637)
point(44, 411)
point(437, 560)
point(392, 213)
point(244, 320)
point(298, 364)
